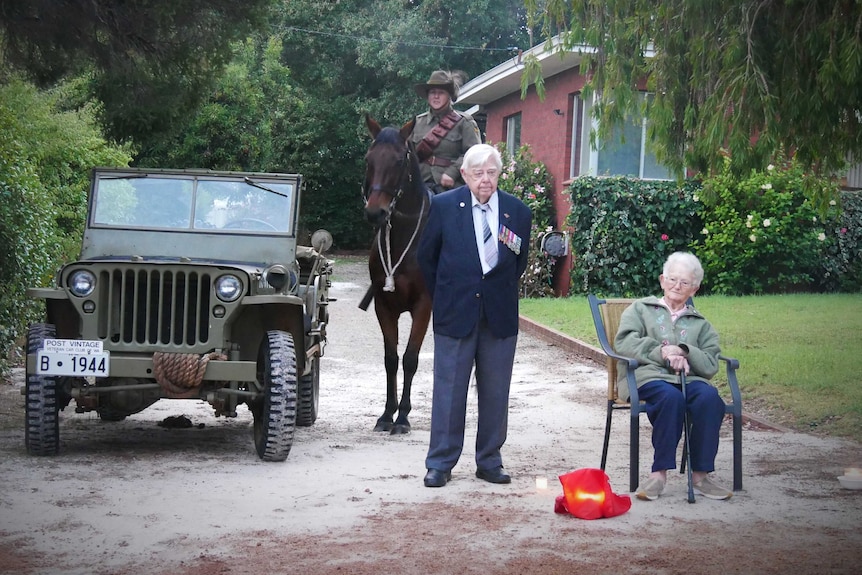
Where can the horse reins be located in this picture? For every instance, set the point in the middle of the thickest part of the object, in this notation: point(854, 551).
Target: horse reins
point(388, 268)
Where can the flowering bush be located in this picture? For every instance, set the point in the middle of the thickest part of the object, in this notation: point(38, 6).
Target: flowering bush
point(624, 229)
point(761, 234)
point(841, 265)
point(531, 182)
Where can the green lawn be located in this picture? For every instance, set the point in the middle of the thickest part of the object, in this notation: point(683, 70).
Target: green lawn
point(800, 355)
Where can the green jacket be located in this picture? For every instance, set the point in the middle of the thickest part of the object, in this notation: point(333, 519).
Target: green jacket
point(646, 325)
point(459, 139)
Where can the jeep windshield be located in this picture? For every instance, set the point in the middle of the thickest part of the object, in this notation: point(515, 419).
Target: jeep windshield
point(193, 202)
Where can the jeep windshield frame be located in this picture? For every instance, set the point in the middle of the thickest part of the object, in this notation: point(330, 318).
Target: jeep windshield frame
point(194, 214)
point(192, 202)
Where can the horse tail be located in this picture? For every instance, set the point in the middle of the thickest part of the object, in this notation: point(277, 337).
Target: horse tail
point(366, 299)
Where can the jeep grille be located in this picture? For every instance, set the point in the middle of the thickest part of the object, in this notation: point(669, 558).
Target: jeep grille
point(156, 307)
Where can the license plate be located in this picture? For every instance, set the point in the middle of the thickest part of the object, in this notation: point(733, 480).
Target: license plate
point(73, 357)
point(96, 364)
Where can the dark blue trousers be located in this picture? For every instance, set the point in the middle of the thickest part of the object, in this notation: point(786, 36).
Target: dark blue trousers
point(665, 410)
point(453, 361)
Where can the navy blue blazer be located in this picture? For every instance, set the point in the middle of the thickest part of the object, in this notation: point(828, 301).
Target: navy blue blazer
point(450, 262)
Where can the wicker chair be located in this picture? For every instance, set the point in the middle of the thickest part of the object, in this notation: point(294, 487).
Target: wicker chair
point(606, 317)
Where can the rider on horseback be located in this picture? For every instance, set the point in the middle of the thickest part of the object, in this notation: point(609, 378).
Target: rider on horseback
point(442, 134)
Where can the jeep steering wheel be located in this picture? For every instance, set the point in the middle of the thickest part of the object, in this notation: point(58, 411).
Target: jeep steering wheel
point(249, 224)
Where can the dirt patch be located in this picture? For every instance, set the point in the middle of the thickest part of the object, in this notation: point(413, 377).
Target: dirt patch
point(133, 497)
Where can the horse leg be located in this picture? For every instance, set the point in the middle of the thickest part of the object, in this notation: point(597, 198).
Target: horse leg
point(390, 361)
point(421, 316)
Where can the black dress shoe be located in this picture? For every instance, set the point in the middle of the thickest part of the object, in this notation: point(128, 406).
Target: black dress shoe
point(437, 478)
point(495, 475)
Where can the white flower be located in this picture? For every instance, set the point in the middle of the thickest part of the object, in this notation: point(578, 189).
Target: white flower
point(752, 237)
point(748, 220)
point(831, 202)
point(704, 231)
point(814, 219)
point(766, 186)
point(766, 223)
point(536, 171)
point(695, 198)
point(770, 167)
point(821, 236)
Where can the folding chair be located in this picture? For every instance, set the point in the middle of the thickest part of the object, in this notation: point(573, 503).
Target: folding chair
point(606, 317)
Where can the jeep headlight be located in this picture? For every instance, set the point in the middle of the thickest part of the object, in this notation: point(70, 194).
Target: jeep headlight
point(82, 283)
point(228, 288)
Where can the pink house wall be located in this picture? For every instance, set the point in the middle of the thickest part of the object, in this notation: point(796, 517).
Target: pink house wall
point(550, 139)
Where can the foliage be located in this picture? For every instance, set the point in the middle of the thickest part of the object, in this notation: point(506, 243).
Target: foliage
point(841, 263)
point(294, 97)
point(624, 229)
point(722, 72)
point(45, 156)
point(530, 181)
point(148, 60)
point(761, 234)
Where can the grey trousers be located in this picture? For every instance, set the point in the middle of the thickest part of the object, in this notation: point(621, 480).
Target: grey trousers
point(454, 359)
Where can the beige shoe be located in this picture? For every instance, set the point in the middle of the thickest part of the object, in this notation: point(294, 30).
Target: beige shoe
point(650, 489)
point(712, 490)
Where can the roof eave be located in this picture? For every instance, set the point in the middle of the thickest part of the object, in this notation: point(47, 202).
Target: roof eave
point(505, 79)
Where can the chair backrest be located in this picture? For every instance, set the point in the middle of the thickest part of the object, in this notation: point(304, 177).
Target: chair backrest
point(611, 310)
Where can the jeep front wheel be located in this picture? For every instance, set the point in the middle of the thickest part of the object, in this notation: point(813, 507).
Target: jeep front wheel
point(41, 421)
point(275, 413)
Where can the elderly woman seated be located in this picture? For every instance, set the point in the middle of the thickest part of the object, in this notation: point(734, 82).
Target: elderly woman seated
point(666, 335)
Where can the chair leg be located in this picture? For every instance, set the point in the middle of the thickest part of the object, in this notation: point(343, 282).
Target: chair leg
point(634, 451)
point(737, 452)
point(607, 435)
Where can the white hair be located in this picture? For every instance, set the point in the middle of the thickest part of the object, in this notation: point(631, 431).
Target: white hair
point(479, 154)
point(688, 262)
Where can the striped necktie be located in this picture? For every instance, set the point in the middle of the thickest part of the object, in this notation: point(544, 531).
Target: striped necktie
point(488, 238)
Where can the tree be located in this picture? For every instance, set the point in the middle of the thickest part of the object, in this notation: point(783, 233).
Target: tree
point(737, 78)
point(294, 95)
point(45, 157)
point(149, 61)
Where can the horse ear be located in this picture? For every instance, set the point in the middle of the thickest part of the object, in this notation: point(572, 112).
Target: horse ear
point(373, 126)
point(407, 129)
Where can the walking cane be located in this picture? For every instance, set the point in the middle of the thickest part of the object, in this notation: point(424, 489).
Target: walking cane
point(685, 446)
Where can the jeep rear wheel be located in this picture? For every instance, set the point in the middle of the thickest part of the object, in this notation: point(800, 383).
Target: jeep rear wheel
point(309, 392)
point(41, 421)
point(275, 413)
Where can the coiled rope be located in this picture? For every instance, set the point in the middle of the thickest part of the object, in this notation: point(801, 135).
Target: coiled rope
point(180, 374)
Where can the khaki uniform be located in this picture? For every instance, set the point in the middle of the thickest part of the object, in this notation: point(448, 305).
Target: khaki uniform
point(451, 149)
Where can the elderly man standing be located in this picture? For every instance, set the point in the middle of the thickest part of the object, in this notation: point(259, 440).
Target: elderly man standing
point(472, 253)
point(442, 134)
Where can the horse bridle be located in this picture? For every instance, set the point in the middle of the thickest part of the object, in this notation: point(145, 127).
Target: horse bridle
point(396, 195)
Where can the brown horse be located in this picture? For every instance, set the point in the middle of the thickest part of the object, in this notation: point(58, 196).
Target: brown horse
point(397, 204)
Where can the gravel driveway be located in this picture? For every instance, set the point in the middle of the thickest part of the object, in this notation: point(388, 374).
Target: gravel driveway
point(133, 497)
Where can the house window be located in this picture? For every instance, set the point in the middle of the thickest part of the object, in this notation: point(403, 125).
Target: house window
point(513, 133)
point(624, 153)
point(577, 136)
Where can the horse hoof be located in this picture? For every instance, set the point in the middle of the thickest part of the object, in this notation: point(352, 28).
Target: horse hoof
point(400, 429)
point(383, 426)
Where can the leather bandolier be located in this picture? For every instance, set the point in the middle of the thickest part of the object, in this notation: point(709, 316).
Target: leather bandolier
point(425, 149)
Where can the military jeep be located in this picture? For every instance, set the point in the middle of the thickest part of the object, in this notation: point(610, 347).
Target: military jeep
point(190, 285)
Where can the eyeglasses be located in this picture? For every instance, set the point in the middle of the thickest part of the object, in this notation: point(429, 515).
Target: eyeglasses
point(685, 284)
point(479, 174)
